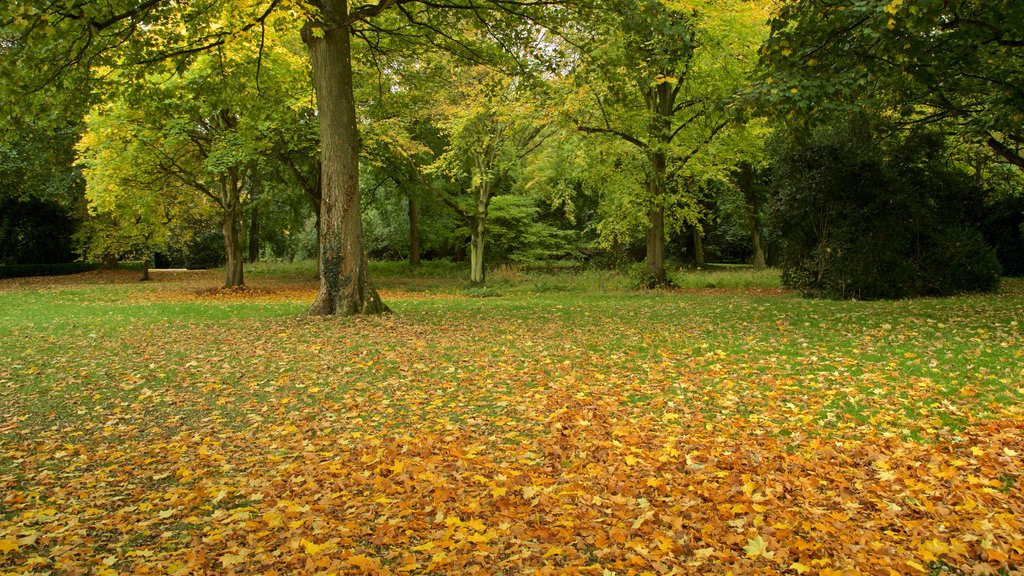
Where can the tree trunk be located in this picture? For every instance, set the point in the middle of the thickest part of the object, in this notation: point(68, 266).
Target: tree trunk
point(345, 287)
point(660, 102)
point(745, 181)
point(698, 247)
point(656, 245)
point(656, 219)
point(414, 231)
point(231, 225)
point(254, 235)
point(477, 234)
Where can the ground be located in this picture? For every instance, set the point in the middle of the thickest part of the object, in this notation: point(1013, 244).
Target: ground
point(562, 424)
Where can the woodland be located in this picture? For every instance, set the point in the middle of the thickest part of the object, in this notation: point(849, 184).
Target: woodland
point(511, 287)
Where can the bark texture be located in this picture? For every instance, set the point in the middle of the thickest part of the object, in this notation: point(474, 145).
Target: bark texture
point(660, 103)
point(231, 201)
point(345, 287)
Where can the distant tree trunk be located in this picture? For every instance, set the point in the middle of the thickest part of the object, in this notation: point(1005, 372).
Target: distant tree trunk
point(698, 247)
point(231, 224)
point(656, 244)
point(345, 287)
point(414, 231)
point(745, 181)
point(254, 235)
point(477, 234)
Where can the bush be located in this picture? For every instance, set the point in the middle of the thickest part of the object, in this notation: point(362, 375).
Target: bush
point(960, 262)
point(862, 221)
point(35, 231)
point(25, 270)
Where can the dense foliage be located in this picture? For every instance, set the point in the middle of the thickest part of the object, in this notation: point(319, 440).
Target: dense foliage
point(859, 219)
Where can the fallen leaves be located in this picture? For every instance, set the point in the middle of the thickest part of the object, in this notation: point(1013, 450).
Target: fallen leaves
point(501, 438)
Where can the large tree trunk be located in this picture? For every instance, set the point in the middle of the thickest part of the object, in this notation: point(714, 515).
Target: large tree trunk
point(477, 234)
point(231, 226)
point(414, 231)
point(656, 245)
point(345, 287)
point(745, 181)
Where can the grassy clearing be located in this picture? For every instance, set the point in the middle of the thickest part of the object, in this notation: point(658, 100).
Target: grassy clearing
point(185, 429)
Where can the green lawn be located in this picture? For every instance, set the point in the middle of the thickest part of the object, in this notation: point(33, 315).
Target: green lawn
point(163, 418)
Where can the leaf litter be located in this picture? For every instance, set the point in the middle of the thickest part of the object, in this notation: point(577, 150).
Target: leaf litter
point(671, 434)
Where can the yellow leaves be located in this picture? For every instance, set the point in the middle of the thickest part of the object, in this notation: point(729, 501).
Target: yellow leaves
point(757, 547)
point(932, 550)
point(799, 568)
point(313, 548)
point(894, 6)
point(8, 545)
point(917, 566)
point(273, 519)
point(231, 560)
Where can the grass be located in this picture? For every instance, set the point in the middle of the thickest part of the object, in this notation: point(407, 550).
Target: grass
point(904, 366)
point(100, 369)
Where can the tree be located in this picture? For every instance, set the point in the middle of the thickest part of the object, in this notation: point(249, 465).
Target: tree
point(661, 82)
point(929, 61)
point(75, 36)
point(491, 127)
point(862, 218)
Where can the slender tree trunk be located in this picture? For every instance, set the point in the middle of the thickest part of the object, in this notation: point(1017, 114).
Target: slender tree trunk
point(414, 231)
point(745, 181)
point(254, 235)
point(656, 219)
point(477, 234)
point(760, 262)
point(345, 287)
point(231, 226)
point(698, 247)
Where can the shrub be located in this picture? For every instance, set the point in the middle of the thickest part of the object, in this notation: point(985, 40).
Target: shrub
point(859, 220)
point(35, 231)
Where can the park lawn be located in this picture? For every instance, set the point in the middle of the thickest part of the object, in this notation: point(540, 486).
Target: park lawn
point(551, 423)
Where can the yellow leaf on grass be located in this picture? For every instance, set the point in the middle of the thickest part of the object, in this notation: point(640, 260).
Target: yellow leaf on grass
point(8, 545)
point(799, 568)
point(424, 547)
point(916, 566)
